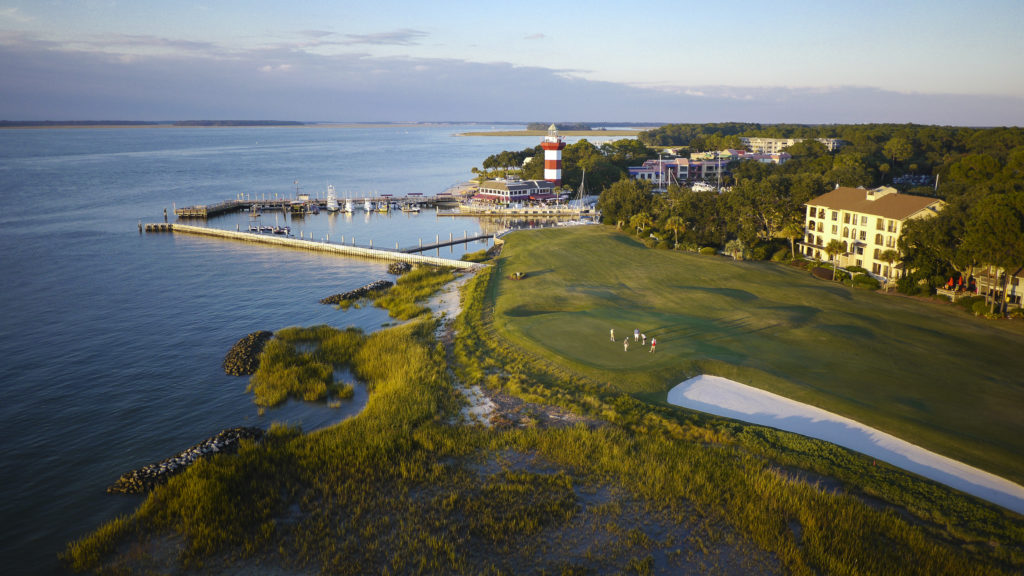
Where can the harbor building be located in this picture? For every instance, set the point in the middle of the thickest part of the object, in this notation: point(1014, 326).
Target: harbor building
point(513, 190)
point(867, 222)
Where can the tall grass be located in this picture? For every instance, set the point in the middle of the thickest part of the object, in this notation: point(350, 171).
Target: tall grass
point(399, 489)
point(402, 300)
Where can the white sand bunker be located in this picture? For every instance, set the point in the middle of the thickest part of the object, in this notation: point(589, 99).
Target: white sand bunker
point(724, 397)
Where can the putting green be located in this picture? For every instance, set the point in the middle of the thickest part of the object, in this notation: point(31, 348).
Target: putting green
point(927, 373)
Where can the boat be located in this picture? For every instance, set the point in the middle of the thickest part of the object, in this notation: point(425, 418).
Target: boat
point(332, 199)
point(411, 208)
point(383, 206)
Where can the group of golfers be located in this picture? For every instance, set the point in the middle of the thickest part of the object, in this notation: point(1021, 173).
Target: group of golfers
point(637, 337)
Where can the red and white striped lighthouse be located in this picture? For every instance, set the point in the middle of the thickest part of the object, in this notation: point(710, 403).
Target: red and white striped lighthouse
point(552, 145)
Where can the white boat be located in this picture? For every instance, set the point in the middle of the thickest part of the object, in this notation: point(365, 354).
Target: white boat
point(332, 199)
point(348, 205)
point(368, 205)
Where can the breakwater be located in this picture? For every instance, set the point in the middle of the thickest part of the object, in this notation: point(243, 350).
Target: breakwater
point(146, 478)
point(341, 249)
point(244, 356)
point(357, 293)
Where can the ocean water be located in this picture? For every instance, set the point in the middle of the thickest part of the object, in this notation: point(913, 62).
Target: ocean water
point(111, 341)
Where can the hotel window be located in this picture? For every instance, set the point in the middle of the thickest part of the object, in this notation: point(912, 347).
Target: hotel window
point(880, 224)
point(821, 213)
point(863, 220)
point(835, 229)
point(821, 227)
point(876, 268)
point(878, 239)
point(835, 216)
point(864, 235)
point(892, 225)
point(846, 218)
point(846, 232)
point(878, 253)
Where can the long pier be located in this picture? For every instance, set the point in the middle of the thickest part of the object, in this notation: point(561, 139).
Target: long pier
point(311, 245)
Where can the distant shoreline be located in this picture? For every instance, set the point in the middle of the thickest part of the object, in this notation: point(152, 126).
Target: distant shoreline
point(628, 132)
point(65, 125)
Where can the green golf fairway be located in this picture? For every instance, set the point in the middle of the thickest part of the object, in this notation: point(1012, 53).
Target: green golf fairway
point(929, 374)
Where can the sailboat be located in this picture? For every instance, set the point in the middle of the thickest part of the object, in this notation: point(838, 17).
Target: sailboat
point(332, 199)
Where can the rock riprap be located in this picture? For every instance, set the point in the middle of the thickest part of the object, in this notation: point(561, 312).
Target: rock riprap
point(358, 292)
point(244, 356)
point(146, 478)
point(399, 268)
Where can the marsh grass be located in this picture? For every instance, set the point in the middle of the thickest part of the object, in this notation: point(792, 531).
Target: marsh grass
point(402, 300)
point(300, 362)
point(397, 489)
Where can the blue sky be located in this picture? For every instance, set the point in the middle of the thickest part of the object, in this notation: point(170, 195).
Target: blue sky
point(935, 62)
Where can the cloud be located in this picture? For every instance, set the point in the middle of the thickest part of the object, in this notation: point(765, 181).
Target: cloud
point(402, 37)
point(537, 36)
point(14, 14)
point(43, 82)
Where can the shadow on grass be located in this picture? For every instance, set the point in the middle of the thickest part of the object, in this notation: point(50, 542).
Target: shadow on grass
point(731, 293)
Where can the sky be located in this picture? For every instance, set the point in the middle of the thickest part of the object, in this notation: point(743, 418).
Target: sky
point(822, 61)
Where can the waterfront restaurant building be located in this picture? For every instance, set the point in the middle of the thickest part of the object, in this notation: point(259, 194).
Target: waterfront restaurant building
point(513, 190)
point(867, 222)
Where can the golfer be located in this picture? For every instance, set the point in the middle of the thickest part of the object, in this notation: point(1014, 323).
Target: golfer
point(654, 342)
point(625, 345)
point(613, 334)
point(636, 335)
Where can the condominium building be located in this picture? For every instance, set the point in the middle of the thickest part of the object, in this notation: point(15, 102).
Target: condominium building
point(773, 145)
point(706, 166)
point(867, 222)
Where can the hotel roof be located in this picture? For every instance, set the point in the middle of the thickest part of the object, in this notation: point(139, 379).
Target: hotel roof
point(884, 202)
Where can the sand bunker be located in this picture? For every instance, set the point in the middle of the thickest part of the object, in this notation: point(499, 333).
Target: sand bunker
point(724, 397)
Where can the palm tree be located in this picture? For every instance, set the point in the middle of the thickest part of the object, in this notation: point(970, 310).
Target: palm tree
point(676, 225)
point(793, 230)
point(889, 256)
point(834, 248)
point(640, 221)
point(734, 247)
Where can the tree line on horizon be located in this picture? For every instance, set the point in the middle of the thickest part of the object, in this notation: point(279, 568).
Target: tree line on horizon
point(978, 172)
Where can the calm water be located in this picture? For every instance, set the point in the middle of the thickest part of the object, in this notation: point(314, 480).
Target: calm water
point(112, 341)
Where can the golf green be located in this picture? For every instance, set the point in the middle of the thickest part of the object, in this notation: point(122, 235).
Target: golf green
point(925, 372)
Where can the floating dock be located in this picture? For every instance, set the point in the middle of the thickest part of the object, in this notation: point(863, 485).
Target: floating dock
point(210, 210)
point(314, 246)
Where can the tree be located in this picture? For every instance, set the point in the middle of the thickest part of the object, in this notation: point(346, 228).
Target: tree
point(889, 256)
point(792, 231)
point(834, 248)
point(676, 225)
point(898, 149)
point(735, 248)
point(640, 221)
point(995, 233)
point(623, 199)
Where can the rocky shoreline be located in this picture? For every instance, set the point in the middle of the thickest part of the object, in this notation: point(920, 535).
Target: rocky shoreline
point(244, 356)
point(358, 292)
point(146, 478)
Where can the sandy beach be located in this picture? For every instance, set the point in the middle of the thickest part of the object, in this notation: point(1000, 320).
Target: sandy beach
point(724, 397)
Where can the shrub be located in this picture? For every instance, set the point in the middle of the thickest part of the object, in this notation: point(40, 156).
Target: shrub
point(979, 308)
point(865, 282)
point(650, 242)
point(709, 250)
point(1016, 313)
point(664, 245)
point(780, 255)
point(856, 270)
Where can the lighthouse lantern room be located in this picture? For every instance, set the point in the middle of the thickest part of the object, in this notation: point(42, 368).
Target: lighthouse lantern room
point(553, 144)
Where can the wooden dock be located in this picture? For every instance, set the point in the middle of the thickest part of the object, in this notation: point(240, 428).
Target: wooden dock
point(451, 241)
point(314, 246)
